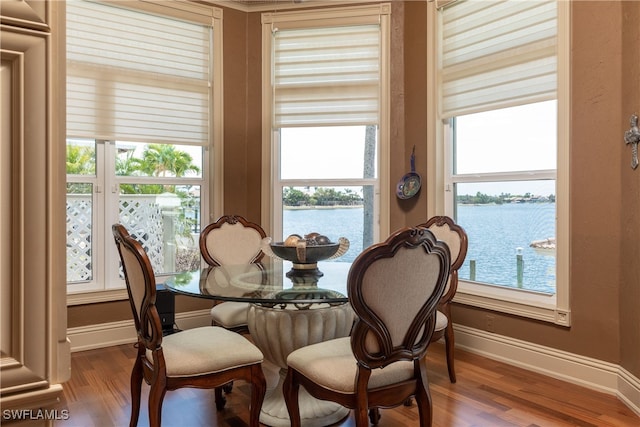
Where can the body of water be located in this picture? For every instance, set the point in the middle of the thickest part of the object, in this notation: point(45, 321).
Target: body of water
point(497, 235)
point(498, 232)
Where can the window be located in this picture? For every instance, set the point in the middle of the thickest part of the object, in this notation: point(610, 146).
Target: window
point(140, 94)
point(499, 157)
point(325, 96)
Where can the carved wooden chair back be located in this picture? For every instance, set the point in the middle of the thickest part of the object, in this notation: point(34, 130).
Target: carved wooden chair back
point(448, 231)
point(394, 288)
point(232, 239)
point(205, 357)
point(141, 287)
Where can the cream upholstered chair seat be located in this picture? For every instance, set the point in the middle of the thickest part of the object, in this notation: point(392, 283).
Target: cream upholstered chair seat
point(394, 288)
point(189, 352)
point(230, 314)
point(441, 322)
point(333, 365)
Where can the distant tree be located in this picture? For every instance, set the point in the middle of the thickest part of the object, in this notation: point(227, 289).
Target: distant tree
point(321, 196)
point(327, 196)
point(351, 198)
point(294, 197)
point(481, 198)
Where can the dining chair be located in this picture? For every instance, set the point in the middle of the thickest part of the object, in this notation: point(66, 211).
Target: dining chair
point(232, 239)
point(394, 288)
point(204, 357)
point(448, 231)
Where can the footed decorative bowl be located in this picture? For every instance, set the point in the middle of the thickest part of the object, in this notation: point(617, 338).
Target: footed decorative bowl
point(304, 254)
point(305, 257)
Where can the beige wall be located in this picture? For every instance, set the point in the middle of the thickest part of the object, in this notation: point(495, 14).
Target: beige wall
point(242, 119)
point(605, 192)
point(630, 205)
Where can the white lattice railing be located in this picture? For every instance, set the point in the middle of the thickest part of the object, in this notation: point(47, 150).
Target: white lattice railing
point(142, 217)
point(144, 220)
point(79, 238)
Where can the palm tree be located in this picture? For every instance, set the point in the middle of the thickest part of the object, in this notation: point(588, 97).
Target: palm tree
point(160, 160)
point(127, 166)
point(81, 160)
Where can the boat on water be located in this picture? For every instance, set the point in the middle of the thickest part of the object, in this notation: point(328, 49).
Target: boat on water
point(544, 246)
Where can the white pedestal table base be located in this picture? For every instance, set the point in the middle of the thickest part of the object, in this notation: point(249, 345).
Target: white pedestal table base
point(278, 332)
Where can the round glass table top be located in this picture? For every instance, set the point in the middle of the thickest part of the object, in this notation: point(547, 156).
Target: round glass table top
point(271, 282)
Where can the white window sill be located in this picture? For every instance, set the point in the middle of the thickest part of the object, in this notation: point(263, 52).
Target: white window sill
point(518, 302)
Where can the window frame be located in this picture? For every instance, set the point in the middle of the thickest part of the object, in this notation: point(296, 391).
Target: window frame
point(272, 186)
point(211, 197)
point(549, 308)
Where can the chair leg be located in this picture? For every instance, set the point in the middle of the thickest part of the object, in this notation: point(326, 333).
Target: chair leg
point(156, 396)
point(449, 343)
point(374, 416)
point(290, 390)
point(423, 399)
point(258, 391)
point(362, 416)
point(220, 399)
point(136, 391)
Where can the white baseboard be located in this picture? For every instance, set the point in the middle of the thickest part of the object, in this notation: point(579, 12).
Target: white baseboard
point(629, 390)
point(591, 373)
point(124, 332)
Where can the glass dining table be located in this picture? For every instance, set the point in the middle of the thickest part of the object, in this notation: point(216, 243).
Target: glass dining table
point(289, 308)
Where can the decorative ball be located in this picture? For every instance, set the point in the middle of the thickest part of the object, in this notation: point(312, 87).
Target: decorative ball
point(322, 240)
point(292, 240)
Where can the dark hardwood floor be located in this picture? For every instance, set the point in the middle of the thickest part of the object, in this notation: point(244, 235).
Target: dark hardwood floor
point(488, 393)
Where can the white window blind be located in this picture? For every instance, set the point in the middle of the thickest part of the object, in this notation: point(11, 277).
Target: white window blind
point(326, 76)
point(136, 76)
point(497, 54)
